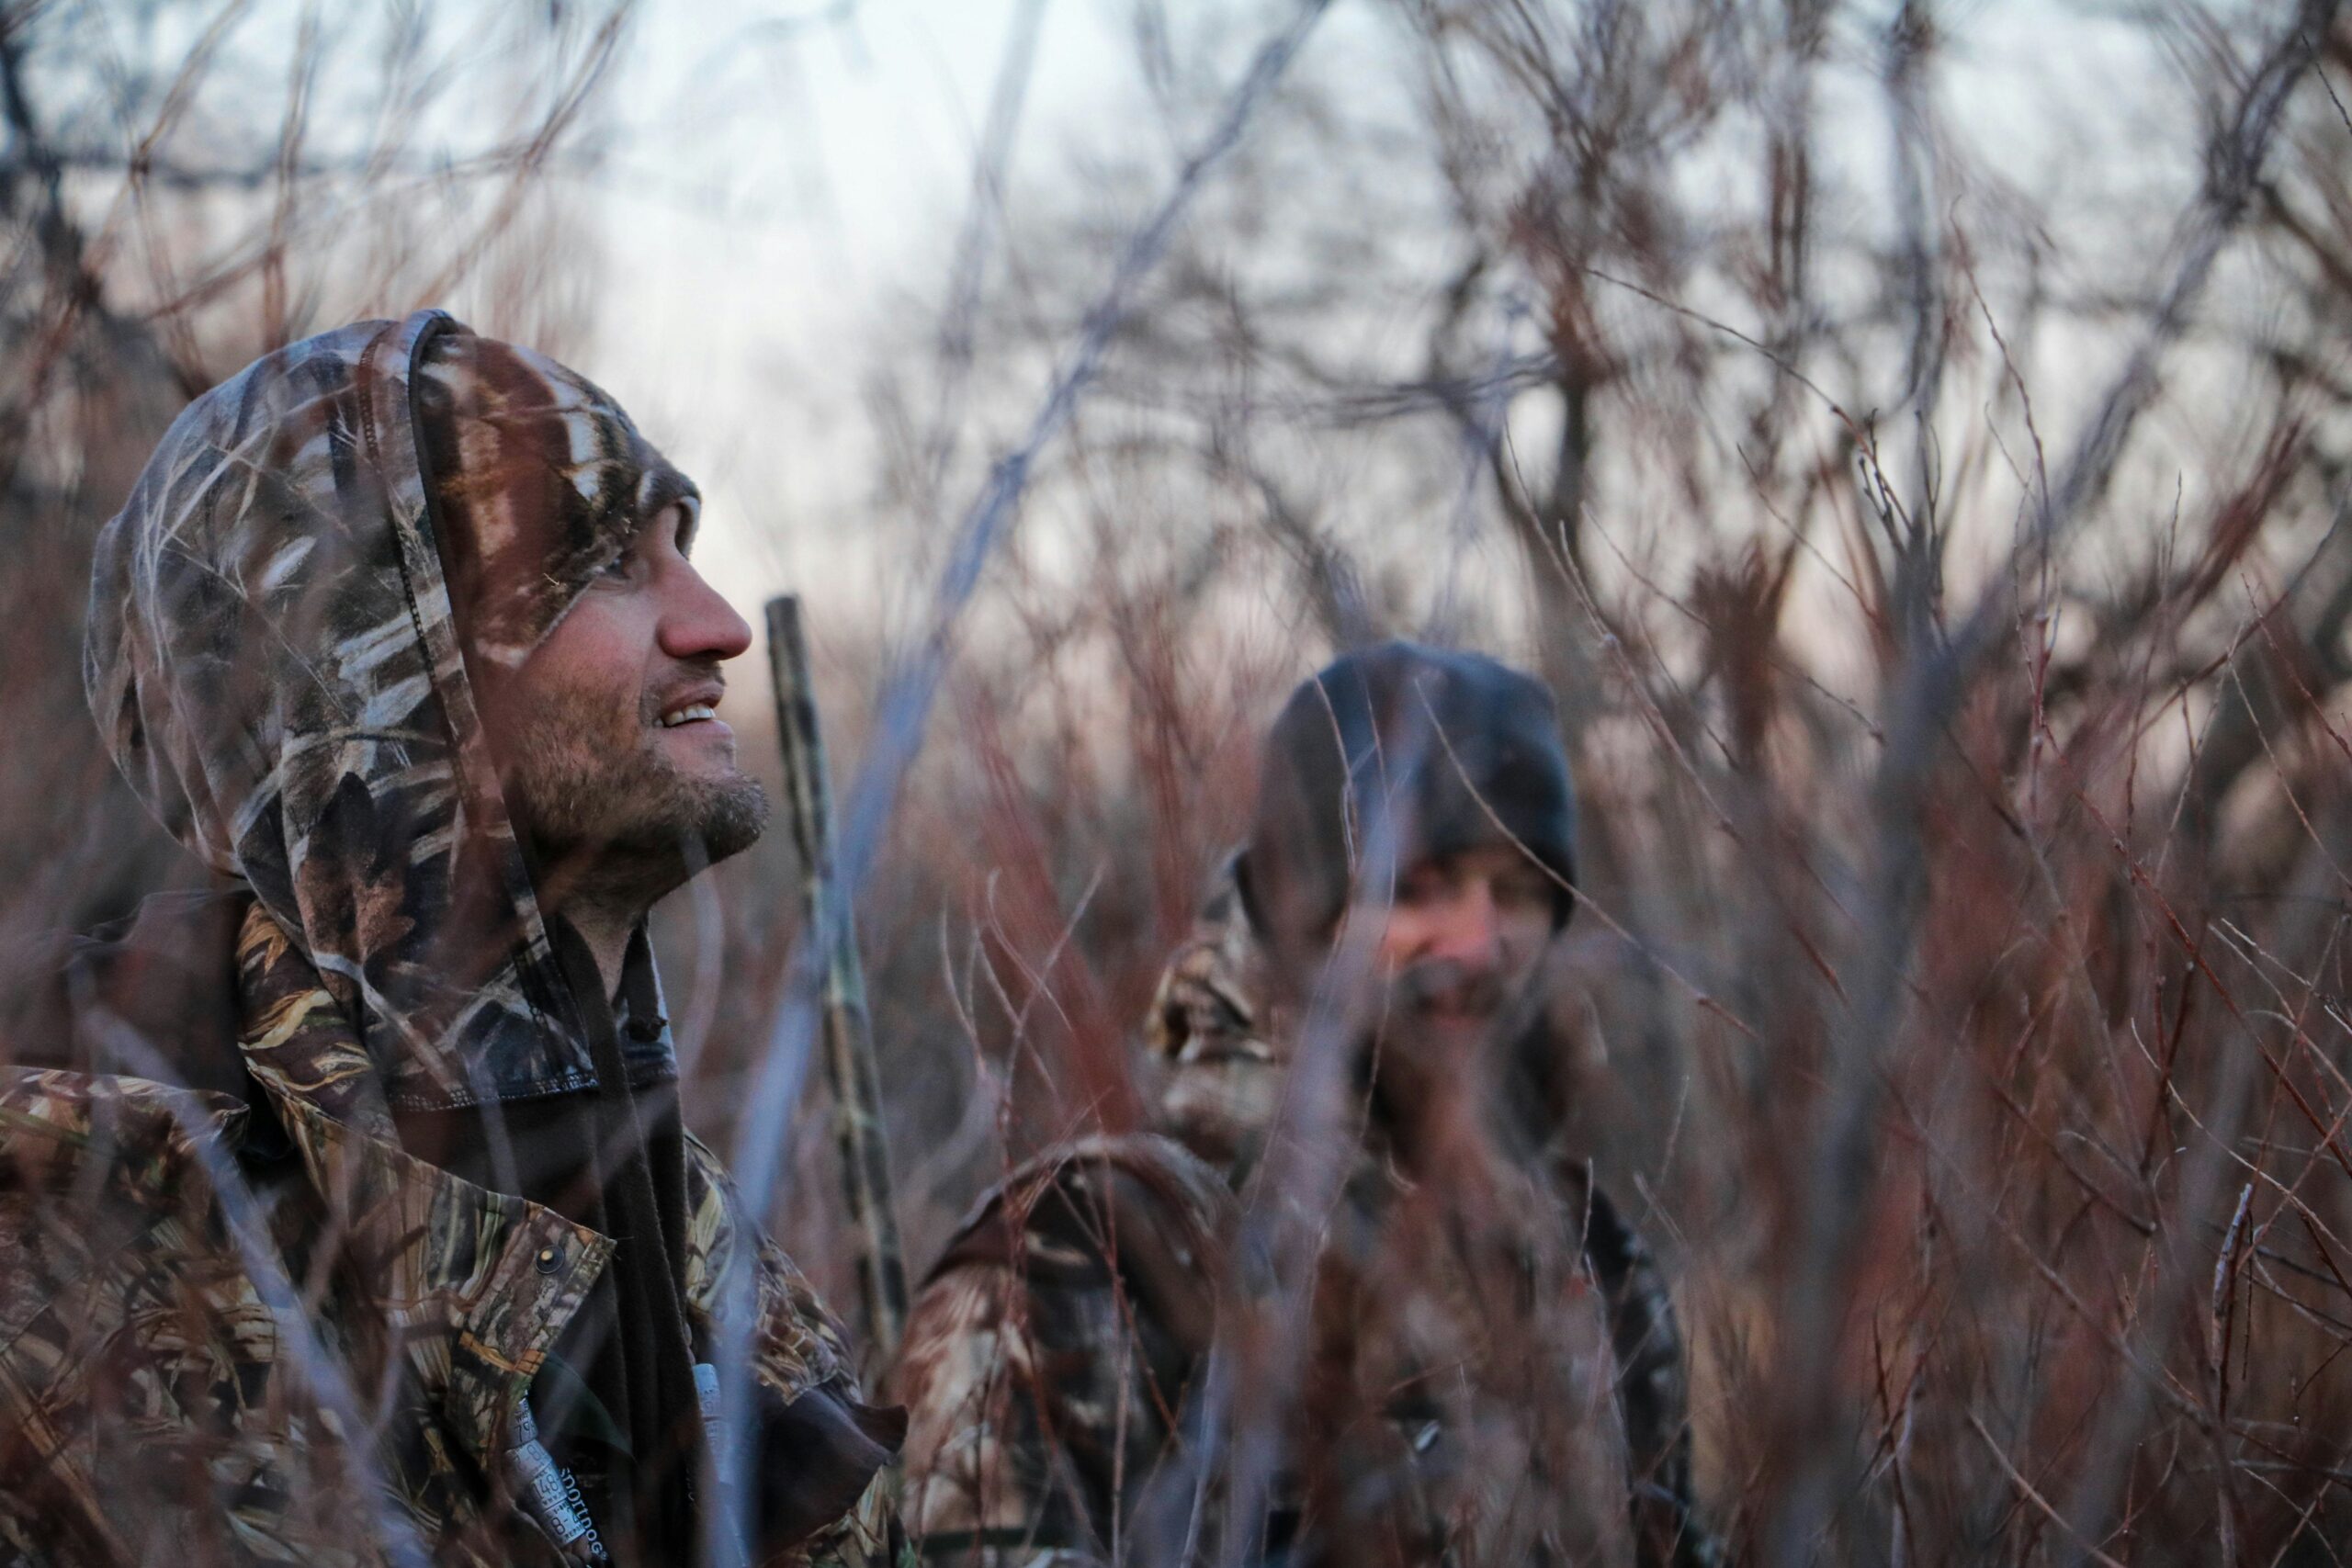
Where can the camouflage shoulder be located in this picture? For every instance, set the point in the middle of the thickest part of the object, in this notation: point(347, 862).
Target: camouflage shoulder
point(1138, 1211)
point(1210, 1001)
point(801, 1354)
point(799, 1344)
point(1153, 1180)
point(49, 1116)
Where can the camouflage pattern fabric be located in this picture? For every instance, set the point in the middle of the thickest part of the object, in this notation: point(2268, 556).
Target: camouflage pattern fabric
point(797, 1350)
point(261, 1334)
point(1039, 1416)
point(1456, 1406)
point(1034, 1348)
point(277, 1343)
point(537, 477)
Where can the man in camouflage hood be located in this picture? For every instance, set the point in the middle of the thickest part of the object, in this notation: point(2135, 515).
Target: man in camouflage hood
point(1487, 1370)
point(408, 1257)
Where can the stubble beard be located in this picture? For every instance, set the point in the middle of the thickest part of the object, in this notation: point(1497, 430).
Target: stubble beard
point(594, 797)
point(1438, 1050)
point(1437, 1000)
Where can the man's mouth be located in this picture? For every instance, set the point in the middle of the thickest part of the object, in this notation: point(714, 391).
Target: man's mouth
point(1451, 994)
point(692, 713)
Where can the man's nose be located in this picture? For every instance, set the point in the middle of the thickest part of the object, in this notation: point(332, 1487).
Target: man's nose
point(1470, 935)
point(697, 623)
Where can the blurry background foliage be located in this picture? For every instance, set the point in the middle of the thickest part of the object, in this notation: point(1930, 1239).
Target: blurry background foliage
point(1910, 439)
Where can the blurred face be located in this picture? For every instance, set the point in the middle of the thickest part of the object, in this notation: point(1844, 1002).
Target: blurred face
point(614, 759)
point(1460, 944)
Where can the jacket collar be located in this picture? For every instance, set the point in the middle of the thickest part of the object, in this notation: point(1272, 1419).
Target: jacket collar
point(472, 1285)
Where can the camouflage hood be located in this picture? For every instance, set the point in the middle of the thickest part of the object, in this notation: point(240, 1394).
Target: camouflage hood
point(274, 659)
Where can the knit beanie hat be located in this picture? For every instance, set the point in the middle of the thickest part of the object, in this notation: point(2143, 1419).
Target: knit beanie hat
point(1447, 752)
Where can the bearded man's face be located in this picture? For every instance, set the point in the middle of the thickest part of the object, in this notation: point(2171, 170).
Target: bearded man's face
point(1459, 947)
point(612, 755)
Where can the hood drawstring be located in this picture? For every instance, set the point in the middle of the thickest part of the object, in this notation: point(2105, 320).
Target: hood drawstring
point(550, 1494)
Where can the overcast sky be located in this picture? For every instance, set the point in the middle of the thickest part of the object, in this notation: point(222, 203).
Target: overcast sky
point(747, 292)
point(789, 180)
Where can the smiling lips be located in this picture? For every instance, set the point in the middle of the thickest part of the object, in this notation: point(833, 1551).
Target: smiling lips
point(691, 713)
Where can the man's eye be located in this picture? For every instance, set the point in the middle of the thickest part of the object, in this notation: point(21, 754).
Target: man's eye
point(1522, 890)
point(1423, 886)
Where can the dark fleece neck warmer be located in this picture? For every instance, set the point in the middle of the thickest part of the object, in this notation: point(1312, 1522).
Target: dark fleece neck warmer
point(1438, 752)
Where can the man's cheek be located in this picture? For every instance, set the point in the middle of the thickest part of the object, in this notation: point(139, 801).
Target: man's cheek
point(613, 712)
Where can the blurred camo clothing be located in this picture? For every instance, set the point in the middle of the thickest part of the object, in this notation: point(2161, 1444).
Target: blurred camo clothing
point(244, 1321)
point(1467, 1417)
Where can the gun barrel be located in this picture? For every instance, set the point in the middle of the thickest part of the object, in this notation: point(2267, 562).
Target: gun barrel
point(850, 1067)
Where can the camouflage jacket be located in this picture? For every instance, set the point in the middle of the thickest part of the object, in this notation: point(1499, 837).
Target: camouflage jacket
point(1053, 1347)
point(249, 1326)
point(237, 1331)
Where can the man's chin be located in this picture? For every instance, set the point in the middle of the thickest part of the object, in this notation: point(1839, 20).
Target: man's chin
point(1436, 1046)
point(1456, 1036)
point(694, 824)
point(728, 816)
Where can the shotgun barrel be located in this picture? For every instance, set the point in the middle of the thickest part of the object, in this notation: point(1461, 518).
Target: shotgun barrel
point(850, 1066)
